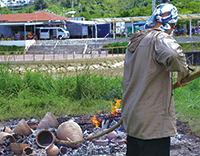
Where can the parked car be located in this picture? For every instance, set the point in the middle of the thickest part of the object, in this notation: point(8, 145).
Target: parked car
point(53, 33)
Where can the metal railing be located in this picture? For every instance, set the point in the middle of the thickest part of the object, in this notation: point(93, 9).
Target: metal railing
point(46, 55)
point(193, 57)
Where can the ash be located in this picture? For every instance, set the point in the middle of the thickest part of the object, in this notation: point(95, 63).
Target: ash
point(185, 144)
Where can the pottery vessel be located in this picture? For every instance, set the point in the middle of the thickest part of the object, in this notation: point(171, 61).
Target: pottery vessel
point(32, 125)
point(1, 153)
point(7, 130)
point(22, 128)
point(101, 142)
point(111, 135)
point(45, 138)
point(27, 151)
point(52, 150)
point(48, 121)
point(4, 134)
point(63, 150)
point(70, 131)
point(119, 141)
point(17, 148)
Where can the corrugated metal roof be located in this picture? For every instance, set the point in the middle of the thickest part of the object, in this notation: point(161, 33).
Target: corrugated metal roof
point(82, 22)
point(141, 18)
point(34, 17)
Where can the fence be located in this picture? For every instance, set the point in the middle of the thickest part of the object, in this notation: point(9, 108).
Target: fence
point(46, 55)
point(191, 51)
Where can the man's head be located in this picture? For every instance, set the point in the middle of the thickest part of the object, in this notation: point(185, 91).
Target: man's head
point(164, 17)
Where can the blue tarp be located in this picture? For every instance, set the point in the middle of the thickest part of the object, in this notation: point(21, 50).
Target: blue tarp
point(140, 23)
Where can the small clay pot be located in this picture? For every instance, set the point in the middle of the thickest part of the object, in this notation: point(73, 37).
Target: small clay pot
point(70, 131)
point(17, 148)
point(52, 150)
point(101, 142)
point(1, 153)
point(32, 125)
point(27, 151)
point(7, 130)
point(45, 138)
point(48, 121)
point(111, 135)
point(63, 150)
point(4, 134)
point(119, 141)
point(22, 128)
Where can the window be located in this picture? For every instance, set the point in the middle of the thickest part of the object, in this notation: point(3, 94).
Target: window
point(44, 30)
point(60, 30)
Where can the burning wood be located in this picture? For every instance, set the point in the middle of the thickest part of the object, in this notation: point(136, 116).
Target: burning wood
point(95, 121)
point(115, 109)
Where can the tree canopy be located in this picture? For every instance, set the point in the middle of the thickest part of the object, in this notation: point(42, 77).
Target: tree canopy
point(109, 8)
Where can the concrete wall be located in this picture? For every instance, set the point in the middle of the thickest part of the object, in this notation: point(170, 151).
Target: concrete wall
point(21, 43)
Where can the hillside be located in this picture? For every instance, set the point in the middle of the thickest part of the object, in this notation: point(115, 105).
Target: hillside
point(106, 8)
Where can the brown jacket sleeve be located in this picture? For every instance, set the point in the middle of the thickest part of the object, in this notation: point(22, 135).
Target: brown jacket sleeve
point(170, 54)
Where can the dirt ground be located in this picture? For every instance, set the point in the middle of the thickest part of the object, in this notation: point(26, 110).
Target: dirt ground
point(189, 144)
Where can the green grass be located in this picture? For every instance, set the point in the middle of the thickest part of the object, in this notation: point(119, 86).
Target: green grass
point(10, 49)
point(187, 104)
point(36, 93)
point(190, 46)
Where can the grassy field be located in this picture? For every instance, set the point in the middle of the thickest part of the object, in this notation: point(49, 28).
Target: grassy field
point(36, 93)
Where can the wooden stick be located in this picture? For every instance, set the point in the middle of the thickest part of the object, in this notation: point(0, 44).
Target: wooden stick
point(190, 77)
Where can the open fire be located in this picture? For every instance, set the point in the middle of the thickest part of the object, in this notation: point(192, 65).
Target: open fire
point(44, 138)
point(31, 137)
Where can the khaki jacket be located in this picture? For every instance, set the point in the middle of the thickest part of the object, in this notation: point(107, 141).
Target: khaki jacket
point(147, 104)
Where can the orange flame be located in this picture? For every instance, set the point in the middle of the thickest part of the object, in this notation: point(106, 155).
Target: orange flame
point(95, 121)
point(114, 109)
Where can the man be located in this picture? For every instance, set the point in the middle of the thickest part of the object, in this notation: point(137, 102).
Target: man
point(147, 104)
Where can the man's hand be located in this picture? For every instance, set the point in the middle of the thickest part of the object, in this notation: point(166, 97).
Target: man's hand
point(181, 83)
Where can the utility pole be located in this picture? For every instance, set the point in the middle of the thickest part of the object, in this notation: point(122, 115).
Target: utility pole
point(28, 5)
point(153, 5)
point(72, 5)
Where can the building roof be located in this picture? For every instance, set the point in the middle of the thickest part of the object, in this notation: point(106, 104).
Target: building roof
point(34, 17)
point(141, 18)
point(82, 22)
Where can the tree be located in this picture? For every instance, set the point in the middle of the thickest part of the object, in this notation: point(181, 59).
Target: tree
point(41, 4)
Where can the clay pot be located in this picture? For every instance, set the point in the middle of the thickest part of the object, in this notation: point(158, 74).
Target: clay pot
point(45, 138)
point(32, 125)
point(17, 148)
point(52, 150)
point(22, 128)
point(119, 141)
point(101, 142)
point(27, 151)
point(70, 131)
point(7, 130)
point(111, 135)
point(63, 150)
point(48, 121)
point(4, 134)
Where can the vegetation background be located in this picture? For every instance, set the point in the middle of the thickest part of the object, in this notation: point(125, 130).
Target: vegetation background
point(107, 8)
